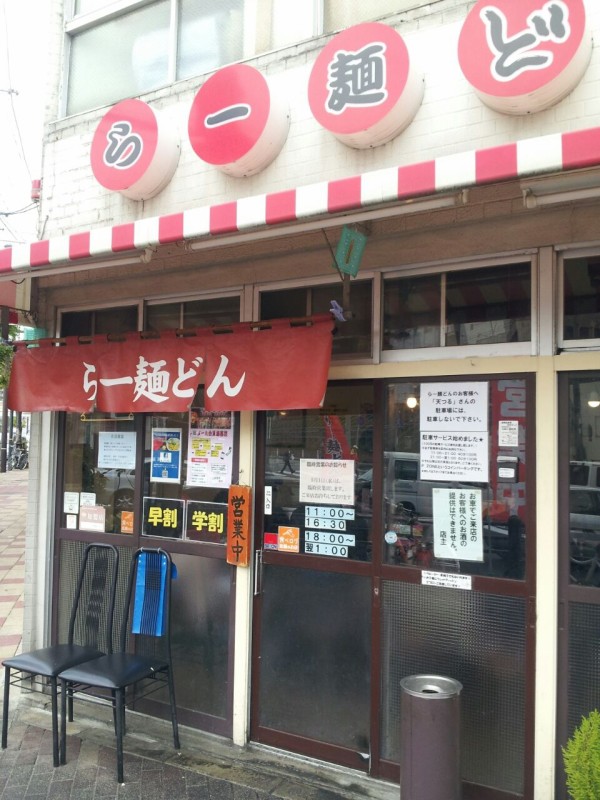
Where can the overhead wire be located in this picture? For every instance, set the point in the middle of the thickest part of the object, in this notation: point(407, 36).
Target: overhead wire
point(11, 92)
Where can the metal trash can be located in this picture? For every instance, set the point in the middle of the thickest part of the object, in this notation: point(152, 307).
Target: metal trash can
point(430, 738)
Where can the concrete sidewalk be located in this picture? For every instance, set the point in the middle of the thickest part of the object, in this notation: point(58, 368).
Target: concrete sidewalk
point(206, 768)
point(13, 496)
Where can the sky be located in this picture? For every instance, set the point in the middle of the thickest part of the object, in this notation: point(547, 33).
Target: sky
point(22, 88)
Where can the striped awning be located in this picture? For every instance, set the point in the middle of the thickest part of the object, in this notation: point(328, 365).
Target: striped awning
point(521, 159)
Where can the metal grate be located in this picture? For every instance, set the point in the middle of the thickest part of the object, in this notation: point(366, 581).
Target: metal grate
point(478, 639)
point(71, 553)
point(584, 662)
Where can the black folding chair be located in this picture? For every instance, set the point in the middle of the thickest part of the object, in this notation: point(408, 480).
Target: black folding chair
point(89, 635)
point(143, 663)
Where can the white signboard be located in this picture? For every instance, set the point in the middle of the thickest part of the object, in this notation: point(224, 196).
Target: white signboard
point(454, 406)
point(116, 450)
point(71, 503)
point(458, 457)
point(457, 524)
point(446, 579)
point(327, 481)
point(508, 433)
point(210, 449)
point(454, 432)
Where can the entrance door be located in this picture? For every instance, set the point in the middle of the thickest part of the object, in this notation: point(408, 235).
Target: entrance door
point(579, 550)
point(393, 544)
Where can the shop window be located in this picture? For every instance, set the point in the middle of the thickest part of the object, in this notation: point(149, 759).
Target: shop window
point(352, 338)
point(99, 473)
point(189, 466)
point(317, 468)
point(454, 484)
point(581, 298)
point(464, 307)
point(189, 463)
point(106, 320)
point(193, 313)
point(584, 479)
point(126, 54)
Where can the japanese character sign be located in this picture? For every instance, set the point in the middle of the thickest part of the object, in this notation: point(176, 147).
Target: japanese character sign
point(364, 87)
point(249, 368)
point(206, 522)
point(237, 121)
point(163, 517)
point(238, 526)
point(134, 150)
point(522, 56)
point(454, 431)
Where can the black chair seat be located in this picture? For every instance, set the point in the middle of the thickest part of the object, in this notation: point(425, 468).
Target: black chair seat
point(89, 635)
point(144, 651)
point(49, 661)
point(114, 671)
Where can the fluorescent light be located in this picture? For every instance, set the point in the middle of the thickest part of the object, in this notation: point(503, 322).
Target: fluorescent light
point(305, 225)
point(564, 188)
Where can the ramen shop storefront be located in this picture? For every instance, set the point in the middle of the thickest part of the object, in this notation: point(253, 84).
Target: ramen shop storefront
point(148, 454)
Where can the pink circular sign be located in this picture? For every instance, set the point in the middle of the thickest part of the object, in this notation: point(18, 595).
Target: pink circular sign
point(522, 56)
point(237, 123)
point(134, 151)
point(363, 87)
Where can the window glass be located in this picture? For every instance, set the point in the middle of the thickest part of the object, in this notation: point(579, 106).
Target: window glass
point(210, 35)
point(99, 473)
point(193, 314)
point(489, 305)
point(120, 58)
point(106, 320)
point(469, 518)
point(328, 451)
point(165, 316)
point(581, 298)
point(411, 312)
point(353, 337)
point(85, 6)
point(189, 465)
point(479, 306)
point(584, 472)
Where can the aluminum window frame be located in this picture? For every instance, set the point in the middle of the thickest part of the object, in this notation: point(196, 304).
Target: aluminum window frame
point(443, 268)
point(564, 254)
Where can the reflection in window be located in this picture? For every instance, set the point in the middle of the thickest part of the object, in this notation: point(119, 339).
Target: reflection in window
point(411, 309)
point(121, 57)
point(352, 338)
point(584, 475)
point(468, 307)
point(581, 298)
point(341, 432)
point(133, 53)
point(98, 496)
point(193, 314)
point(105, 320)
point(414, 530)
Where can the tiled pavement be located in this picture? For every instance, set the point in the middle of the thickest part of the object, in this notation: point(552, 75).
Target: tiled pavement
point(13, 488)
point(207, 768)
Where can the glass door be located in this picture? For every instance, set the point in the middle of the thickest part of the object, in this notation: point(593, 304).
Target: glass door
point(397, 538)
point(312, 645)
point(579, 549)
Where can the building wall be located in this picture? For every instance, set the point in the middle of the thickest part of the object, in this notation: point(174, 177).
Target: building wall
point(451, 120)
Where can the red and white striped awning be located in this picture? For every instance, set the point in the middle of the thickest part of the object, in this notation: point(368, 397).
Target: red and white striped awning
point(524, 158)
